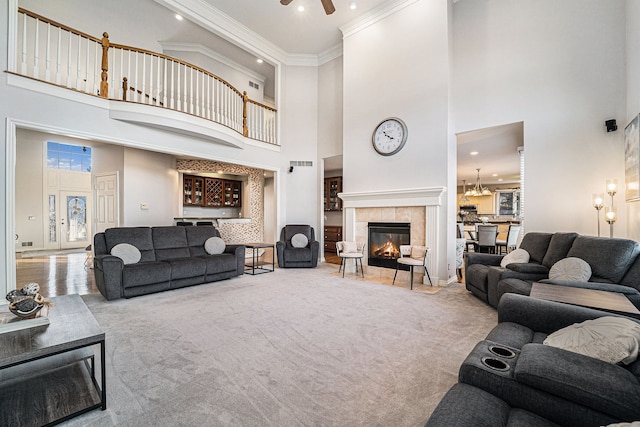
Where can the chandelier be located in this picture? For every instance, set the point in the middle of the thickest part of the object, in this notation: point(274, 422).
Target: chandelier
point(478, 189)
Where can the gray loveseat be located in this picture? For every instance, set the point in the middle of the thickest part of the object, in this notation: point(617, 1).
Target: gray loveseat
point(531, 384)
point(614, 263)
point(171, 257)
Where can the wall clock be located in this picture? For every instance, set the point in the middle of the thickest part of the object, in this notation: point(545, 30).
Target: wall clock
point(389, 136)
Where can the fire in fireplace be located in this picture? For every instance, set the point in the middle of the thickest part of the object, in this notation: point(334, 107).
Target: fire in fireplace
point(385, 239)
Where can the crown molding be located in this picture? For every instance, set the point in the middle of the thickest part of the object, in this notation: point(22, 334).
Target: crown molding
point(198, 48)
point(373, 16)
point(330, 54)
point(226, 27)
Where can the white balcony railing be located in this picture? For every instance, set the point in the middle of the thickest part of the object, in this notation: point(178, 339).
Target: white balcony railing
point(57, 54)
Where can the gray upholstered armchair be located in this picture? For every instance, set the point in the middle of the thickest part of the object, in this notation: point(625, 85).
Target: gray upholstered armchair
point(302, 251)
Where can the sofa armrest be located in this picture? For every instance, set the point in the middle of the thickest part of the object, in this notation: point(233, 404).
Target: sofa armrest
point(529, 268)
point(590, 382)
point(239, 252)
point(541, 315)
point(280, 247)
point(108, 273)
point(315, 251)
point(482, 258)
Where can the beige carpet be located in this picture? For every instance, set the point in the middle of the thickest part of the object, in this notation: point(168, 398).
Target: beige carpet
point(297, 347)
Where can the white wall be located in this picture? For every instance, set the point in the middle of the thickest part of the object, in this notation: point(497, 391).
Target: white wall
point(330, 109)
point(399, 67)
point(633, 98)
point(299, 119)
point(558, 66)
point(151, 179)
point(29, 190)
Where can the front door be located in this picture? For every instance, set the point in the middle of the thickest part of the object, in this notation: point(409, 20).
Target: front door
point(75, 219)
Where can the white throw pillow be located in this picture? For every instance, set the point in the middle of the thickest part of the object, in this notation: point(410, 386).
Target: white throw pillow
point(129, 254)
point(418, 252)
point(608, 338)
point(349, 247)
point(214, 245)
point(572, 269)
point(299, 240)
point(516, 256)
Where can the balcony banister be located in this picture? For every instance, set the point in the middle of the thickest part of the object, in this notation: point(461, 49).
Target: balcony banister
point(152, 78)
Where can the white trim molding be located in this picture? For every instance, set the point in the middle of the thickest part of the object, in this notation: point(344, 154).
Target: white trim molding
point(388, 8)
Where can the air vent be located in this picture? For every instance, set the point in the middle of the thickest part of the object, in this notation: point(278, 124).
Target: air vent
point(254, 85)
point(300, 163)
point(27, 243)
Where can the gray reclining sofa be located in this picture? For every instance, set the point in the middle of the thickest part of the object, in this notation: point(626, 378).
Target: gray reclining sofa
point(171, 257)
point(511, 378)
point(614, 263)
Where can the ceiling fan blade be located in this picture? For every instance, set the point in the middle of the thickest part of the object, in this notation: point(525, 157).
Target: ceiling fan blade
point(328, 6)
point(285, 2)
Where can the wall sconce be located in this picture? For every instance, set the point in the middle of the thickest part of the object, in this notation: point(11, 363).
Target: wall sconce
point(610, 215)
point(598, 203)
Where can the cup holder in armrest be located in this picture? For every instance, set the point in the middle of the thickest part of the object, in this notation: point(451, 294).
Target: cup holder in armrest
point(495, 364)
point(501, 351)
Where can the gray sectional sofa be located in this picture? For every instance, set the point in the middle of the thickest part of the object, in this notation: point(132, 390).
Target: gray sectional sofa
point(170, 257)
point(511, 378)
point(615, 266)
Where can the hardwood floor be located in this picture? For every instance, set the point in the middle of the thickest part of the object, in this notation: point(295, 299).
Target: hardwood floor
point(57, 274)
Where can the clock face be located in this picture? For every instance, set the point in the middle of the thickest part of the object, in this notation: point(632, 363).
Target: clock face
point(389, 136)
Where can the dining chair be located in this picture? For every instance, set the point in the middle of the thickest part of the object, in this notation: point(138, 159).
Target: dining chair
point(350, 250)
point(512, 239)
point(413, 256)
point(487, 235)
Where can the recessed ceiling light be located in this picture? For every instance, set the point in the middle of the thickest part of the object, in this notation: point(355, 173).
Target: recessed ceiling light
point(474, 153)
point(495, 174)
point(301, 8)
point(499, 179)
point(179, 17)
point(259, 61)
point(353, 5)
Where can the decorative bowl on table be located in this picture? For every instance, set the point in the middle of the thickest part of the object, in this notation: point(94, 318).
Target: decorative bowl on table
point(26, 302)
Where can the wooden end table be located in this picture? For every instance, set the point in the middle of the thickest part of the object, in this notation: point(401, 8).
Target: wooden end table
point(47, 395)
point(613, 301)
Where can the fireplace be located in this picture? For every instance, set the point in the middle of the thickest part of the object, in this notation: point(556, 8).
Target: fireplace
point(385, 239)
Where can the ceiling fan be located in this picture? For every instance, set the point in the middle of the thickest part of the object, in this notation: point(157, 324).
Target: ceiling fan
point(327, 4)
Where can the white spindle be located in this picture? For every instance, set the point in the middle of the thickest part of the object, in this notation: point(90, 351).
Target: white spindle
point(78, 70)
point(59, 58)
point(197, 93)
point(158, 85)
point(135, 81)
point(209, 97)
point(36, 53)
point(47, 69)
point(86, 68)
point(185, 103)
point(128, 76)
point(144, 78)
point(190, 90)
point(69, 63)
point(179, 85)
point(164, 86)
point(173, 81)
point(24, 45)
point(150, 101)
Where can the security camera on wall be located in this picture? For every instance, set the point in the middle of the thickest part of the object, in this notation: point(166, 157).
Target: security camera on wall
point(611, 125)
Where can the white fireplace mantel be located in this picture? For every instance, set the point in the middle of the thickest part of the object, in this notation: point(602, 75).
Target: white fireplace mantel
point(431, 198)
point(393, 198)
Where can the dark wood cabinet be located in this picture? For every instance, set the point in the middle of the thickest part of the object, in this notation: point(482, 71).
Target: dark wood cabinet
point(332, 234)
point(332, 186)
point(193, 190)
point(232, 193)
point(211, 192)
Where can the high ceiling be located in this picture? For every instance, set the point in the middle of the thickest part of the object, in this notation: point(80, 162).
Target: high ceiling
point(497, 154)
point(308, 32)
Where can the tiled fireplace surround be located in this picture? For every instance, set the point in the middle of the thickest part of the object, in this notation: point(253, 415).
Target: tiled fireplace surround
point(420, 207)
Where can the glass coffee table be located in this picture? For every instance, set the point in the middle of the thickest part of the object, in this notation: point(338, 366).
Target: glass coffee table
point(259, 262)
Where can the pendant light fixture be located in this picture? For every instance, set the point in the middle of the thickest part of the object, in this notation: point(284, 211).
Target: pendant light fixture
point(464, 197)
point(478, 190)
